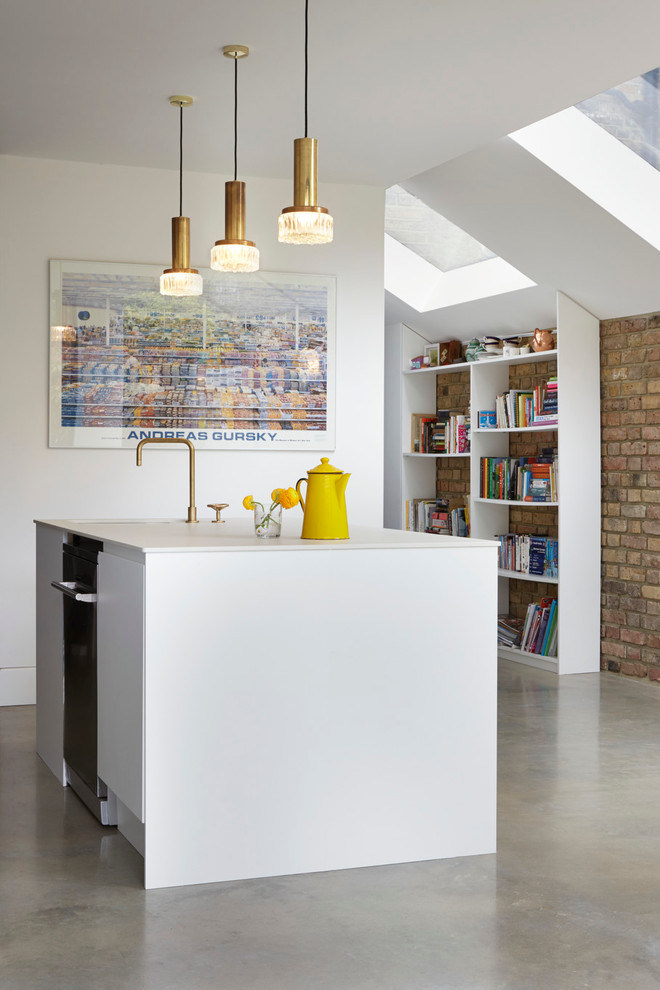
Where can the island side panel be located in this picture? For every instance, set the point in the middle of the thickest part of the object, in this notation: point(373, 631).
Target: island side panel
point(318, 710)
point(120, 676)
point(50, 651)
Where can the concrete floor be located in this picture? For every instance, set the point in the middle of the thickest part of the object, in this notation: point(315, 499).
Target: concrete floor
point(571, 900)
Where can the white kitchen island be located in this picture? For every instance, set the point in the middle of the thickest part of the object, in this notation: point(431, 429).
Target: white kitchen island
point(270, 707)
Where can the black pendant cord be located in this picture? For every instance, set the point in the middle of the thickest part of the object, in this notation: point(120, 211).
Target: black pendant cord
point(181, 160)
point(235, 118)
point(306, 64)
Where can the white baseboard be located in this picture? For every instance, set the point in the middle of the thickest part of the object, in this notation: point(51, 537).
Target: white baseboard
point(17, 686)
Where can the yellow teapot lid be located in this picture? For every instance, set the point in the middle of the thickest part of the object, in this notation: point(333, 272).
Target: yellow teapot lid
point(325, 467)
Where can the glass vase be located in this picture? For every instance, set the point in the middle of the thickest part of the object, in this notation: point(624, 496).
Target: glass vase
point(268, 524)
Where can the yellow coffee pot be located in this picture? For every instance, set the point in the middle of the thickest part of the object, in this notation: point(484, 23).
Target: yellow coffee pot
point(325, 508)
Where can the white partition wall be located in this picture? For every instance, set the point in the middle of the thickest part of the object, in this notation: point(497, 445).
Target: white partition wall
point(405, 477)
point(578, 371)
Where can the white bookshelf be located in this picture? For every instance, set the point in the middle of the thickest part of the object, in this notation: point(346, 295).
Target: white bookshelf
point(577, 434)
point(515, 502)
point(434, 456)
point(525, 577)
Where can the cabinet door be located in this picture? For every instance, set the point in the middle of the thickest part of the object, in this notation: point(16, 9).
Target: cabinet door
point(121, 678)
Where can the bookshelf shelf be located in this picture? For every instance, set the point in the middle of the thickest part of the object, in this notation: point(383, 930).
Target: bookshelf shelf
point(575, 516)
point(522, 358)
point(518, 576)
point(462, 365)
point(408, 453)
point(441, 369)
point(516, 502)
point(531, 659)
point(515, 429)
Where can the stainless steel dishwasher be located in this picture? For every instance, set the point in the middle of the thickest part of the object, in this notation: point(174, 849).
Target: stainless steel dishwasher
point(79, 597)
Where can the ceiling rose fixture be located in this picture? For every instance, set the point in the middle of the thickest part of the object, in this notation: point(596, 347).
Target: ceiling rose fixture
point(305, 222)
point(181, 279)
point(234, 253)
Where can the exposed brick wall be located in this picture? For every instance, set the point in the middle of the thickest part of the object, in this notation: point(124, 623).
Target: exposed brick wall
point(453, 474)
point(630, 411)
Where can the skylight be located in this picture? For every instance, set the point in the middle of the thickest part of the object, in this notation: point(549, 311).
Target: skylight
point(430, 235)
point(631, 114)
point(430, 263)
point(607, 147)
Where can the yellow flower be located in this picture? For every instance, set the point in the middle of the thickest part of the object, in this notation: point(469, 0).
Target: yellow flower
point(289, 498)
point(248, 502)
point(275, 494)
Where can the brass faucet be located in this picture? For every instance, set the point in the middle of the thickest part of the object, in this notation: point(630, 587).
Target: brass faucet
point(192, 508)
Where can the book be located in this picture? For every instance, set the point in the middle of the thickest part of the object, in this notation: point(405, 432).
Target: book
point(546, 404)
point(429, 515)
point(417, 424)
point(525, 554)
point(526, 479)
point(509, 630)
point(445, 432)
point(530, 620)
point(540, 627)
point(552, 619)
point(436, 517)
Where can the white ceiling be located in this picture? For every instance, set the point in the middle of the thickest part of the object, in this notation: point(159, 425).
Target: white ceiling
point(395, 89)
point(546, 228)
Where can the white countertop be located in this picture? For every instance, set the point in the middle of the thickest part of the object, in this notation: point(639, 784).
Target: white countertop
point(173, 535)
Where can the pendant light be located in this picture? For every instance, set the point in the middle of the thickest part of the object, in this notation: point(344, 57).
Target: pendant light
point(234, 253)
point(305, 222)
point(181, 279)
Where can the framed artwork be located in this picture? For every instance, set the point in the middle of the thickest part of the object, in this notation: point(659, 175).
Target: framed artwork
point(432, 352)
point(248, 365)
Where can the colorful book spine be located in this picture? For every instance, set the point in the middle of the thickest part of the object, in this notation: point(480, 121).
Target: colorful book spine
point(522, 479)
point(540, 628)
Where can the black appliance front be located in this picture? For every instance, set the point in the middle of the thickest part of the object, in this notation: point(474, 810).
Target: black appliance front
point(79, 567)
point(80, 701)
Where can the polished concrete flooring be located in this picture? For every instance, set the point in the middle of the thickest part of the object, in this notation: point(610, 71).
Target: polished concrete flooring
point(571, 899)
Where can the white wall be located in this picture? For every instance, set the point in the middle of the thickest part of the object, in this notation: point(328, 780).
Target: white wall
point(53, 209)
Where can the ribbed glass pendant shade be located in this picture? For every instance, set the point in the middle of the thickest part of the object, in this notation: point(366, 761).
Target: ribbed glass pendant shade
point(234, 253)
point(305, 227)
point(234, 258)
point(181, 284)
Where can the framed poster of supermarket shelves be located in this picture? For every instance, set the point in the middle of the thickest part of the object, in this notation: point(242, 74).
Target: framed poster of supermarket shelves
point(248, 365)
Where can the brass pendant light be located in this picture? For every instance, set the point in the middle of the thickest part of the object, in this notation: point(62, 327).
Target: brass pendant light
point(181, 279)
point(305, 222)
point(234, 253)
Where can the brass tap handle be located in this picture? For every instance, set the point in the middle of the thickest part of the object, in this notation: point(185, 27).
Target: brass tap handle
point(218, 506)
